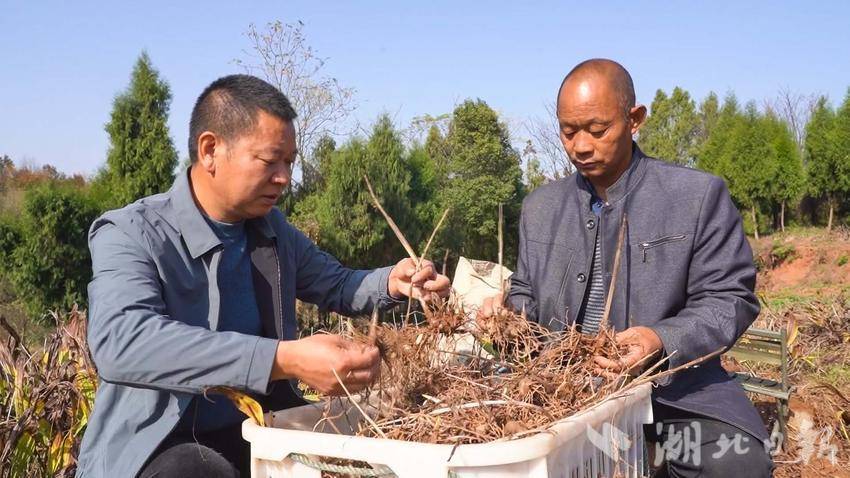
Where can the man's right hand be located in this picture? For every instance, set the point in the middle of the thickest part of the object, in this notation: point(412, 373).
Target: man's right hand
point(314, 359)
point(491, 306)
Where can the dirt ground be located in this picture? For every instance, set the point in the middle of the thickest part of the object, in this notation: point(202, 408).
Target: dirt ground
point(816, 264)
point(804, 284)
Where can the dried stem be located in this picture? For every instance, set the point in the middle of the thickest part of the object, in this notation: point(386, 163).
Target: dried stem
point(434, 233)
point(391, 223)
point(666, 373)
point(354, 402)
point(501, 250)
point(610, 299)
point(373, 327)
point(401, 239)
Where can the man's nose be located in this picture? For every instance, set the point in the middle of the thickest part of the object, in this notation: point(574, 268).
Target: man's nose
point(582, 144)
point(282, 176)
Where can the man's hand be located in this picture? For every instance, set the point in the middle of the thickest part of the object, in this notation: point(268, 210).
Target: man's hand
point(491, 306)
point(406, 281)
point(638, 344)
point(314, 359)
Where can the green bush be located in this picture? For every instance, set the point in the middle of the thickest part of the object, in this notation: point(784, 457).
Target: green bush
point(10, 236)
point(782, 252)
point(46, 251)
point(843, 259)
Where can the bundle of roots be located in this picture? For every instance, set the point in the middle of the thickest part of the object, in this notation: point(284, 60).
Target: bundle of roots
point(517, 377)
point(453, 380)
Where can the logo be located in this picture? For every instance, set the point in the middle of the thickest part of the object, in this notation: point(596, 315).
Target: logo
point(613, 442)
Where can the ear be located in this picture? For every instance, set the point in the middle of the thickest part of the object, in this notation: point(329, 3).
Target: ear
point(208, 143)
point(637, 116)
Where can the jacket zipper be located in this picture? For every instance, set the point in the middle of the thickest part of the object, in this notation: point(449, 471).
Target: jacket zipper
point(659, 242)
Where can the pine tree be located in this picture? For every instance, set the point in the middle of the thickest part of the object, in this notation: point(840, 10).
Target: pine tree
point(141, 158)
point(789, 181)
point(315, 171)
point(484, 171)
point(709, 114)
point(350, 227)
point(423, 196)
point(670, 131)
point(821, 151)
point(740, 151)
point(716, 150)
point(49, 260)
point(841, 138)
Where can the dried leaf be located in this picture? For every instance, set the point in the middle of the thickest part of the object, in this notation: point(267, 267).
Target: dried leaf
point(243, 402)
point(793, 332)
point(59, 454)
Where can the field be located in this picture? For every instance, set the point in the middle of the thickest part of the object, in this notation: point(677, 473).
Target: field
point(804, 284)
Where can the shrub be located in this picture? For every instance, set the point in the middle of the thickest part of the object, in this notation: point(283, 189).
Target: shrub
point(782, 252)
point(49, 264)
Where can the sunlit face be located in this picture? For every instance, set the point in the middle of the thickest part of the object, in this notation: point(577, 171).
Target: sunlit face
point(252, 171)
point(595, 130)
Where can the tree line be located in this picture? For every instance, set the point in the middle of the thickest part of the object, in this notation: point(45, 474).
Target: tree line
point(791, 157)
point(785, 162)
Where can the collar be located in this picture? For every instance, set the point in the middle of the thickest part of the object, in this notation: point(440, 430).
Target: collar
point(624, 184)
point(196, 232)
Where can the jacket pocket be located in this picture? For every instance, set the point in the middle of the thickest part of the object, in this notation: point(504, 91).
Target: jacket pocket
point(647, 245)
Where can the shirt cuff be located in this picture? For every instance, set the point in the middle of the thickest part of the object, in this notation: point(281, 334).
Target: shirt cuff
point(385, 300)
point(260, 368)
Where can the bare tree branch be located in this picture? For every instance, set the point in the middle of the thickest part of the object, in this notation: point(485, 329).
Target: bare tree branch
point(794, 109)
point(545, 144)
point(280, 54)
point(420, 125)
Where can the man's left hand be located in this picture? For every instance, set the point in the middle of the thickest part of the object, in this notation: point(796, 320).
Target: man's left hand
point(406, 281)
point(638, 343)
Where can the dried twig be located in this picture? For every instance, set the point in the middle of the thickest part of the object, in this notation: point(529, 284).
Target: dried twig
point(501, 250)
point(392, 224)
point(434, 233)
point(356, 405)
point(610, 299)
point(401, 238)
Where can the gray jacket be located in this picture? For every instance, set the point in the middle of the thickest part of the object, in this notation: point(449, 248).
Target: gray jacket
point(153, 314)
point(686, 272)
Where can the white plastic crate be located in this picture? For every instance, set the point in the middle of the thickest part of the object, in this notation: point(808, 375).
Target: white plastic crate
point(606, 440)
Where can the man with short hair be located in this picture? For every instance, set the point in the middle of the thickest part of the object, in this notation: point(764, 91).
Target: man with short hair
point(195, 288)
point(685, 284)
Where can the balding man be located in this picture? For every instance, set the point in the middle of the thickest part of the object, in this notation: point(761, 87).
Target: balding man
point(685, 284)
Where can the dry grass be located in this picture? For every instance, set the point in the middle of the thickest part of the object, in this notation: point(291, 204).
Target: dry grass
point(46, 396)
point(819, 331)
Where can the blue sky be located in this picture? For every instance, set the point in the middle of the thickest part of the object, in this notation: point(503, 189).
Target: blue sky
point(62, 63)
